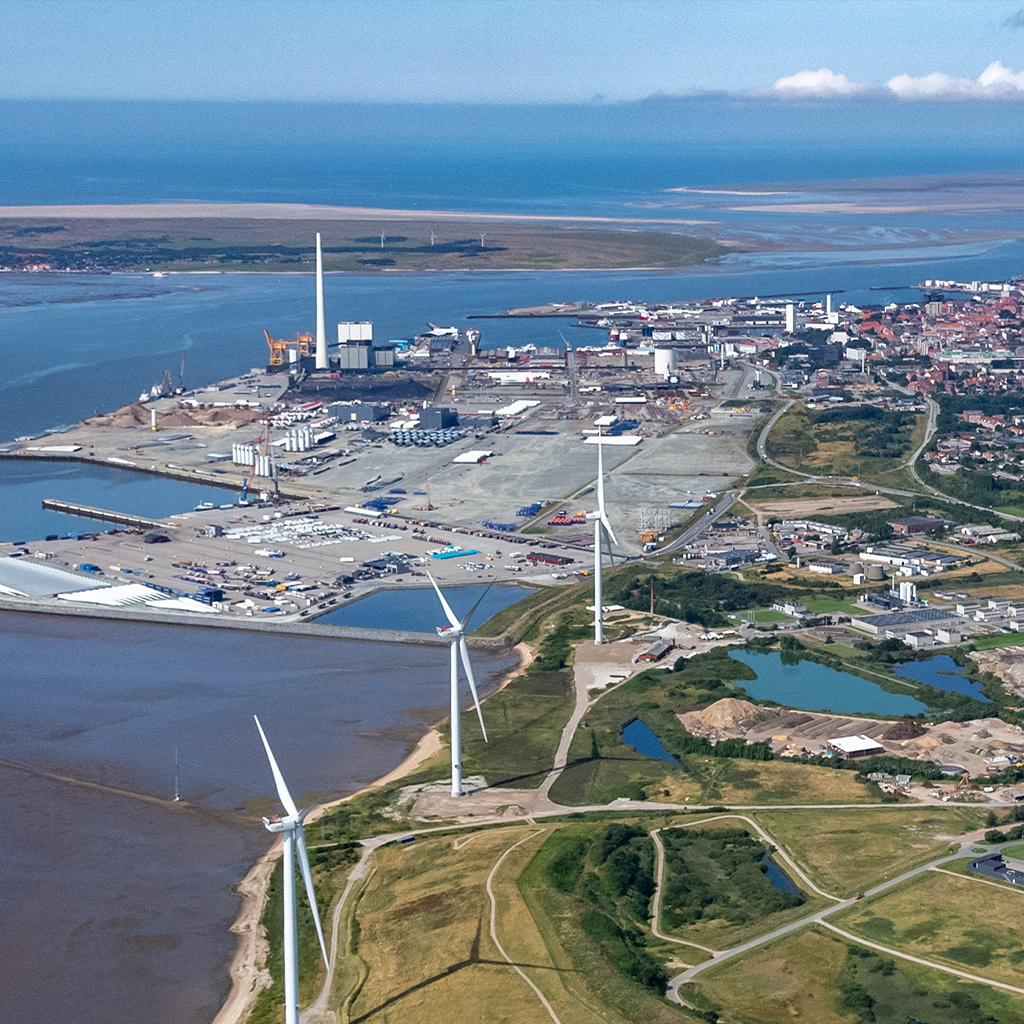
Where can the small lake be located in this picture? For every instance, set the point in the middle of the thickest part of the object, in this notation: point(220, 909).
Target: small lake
point(778, 877)
point(417, 609)
point(943, 673)
point(815, 687)
point(640, 737)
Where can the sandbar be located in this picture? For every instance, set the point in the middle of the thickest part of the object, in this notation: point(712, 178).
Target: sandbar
point(297, 211)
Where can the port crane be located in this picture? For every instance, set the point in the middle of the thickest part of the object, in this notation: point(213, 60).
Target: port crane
point(301, 344)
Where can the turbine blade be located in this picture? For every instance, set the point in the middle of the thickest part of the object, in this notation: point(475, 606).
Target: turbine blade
point(452, 620)
point(307, 877)
point(469, 614)
point(282, 789)
point(608, 528)
point(464, 651)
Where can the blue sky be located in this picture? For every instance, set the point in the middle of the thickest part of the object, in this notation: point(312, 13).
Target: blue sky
point(508, 50)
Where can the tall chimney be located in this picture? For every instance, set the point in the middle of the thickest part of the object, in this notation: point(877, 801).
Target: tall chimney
point(322, 362)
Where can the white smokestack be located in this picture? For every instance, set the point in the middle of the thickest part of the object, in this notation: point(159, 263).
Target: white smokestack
point(790, 318)
point(322, 362)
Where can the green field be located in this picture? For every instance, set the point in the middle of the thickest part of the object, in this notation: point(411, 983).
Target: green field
point(986, 643)
point(854, 441)
point(281, 245)
point(559, 887)
point(828, 605)
point(846, 850)
point(761, 615)
point(817, 977)
point(950, 920)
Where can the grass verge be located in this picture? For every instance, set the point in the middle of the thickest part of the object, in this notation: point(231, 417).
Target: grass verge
point(848, 850)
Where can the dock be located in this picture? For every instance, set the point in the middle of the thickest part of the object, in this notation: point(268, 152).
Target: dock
point(72, 508)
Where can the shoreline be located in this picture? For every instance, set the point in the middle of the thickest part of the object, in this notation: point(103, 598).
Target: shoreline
point(296, 627)
point(247, 969)
point(183, 210)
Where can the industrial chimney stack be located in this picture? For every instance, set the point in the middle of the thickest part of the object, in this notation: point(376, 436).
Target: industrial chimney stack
point(322, 362)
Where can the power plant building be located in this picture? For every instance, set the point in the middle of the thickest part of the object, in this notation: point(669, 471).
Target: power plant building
point(354, 330)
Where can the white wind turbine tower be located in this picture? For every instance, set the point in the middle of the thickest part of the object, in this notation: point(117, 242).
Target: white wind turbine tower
point(601, 527)
point(294, 842)
point(456, 633)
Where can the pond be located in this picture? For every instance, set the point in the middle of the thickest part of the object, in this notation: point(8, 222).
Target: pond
point(639, 736)
point(778, 877)
point(417, 609)
point(815, 687)
point(943, 673)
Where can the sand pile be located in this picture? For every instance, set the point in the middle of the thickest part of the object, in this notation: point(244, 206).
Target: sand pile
point(138, 415)
point(905, 730)
point(1005, 662)
point(728, 715)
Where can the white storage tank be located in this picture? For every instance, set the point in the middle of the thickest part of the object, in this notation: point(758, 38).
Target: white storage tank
point(665, 361)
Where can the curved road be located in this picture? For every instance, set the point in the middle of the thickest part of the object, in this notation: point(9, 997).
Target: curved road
point(819, 918)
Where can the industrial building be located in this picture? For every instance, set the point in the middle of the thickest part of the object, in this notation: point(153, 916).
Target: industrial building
point(438, 417)
point(359, 412)
point(896, 623)
point(855, 746)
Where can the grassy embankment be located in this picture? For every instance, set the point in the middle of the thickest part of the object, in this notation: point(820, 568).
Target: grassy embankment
point(819, 977)
point(568, 914)
point(986, 643)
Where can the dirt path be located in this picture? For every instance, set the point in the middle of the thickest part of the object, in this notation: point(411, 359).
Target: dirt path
point(494, 927)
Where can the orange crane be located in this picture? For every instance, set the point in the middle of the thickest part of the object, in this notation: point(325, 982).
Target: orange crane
point(302, 344)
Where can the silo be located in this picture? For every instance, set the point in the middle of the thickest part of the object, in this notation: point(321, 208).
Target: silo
point(665, 361)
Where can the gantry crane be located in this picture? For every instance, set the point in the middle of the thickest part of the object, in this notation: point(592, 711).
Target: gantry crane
point(279, 347)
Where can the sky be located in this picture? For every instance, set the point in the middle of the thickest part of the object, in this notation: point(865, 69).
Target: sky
point(509, 51)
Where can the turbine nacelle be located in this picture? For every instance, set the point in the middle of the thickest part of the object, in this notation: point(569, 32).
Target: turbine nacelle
point(455, 634)
point(290, 824)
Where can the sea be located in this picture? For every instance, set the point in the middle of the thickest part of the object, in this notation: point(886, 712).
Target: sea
point(115, 908)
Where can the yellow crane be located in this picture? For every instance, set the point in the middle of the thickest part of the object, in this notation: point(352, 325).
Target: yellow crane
point(279, 347)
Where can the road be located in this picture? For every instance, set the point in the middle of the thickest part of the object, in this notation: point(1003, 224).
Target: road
point(819, 918)
point(911, 464)
point(724, 503)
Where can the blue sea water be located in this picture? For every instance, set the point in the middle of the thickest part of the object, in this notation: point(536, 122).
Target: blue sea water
point(24, 485)
point(591, 159)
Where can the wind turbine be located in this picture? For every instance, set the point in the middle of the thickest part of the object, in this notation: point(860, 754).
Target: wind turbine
point(601, 527)
point(294, 841)
point(456, 633)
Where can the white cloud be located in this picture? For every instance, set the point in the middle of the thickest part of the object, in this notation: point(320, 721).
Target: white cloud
point(818, 83)
point(996, 77)
point(995, 82)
